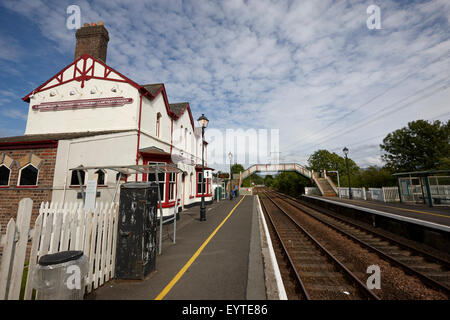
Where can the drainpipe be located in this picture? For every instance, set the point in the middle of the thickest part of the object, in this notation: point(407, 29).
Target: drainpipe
point(138, 155)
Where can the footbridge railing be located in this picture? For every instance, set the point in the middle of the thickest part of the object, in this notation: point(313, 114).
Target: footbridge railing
point(277, 167)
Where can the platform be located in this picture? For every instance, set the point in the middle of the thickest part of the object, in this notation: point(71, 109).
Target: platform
point(217, 259)
point(438, 215)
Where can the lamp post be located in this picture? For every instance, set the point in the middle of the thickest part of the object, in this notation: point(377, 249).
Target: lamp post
point(350, 196)
point(230, 155)
point(203, 121)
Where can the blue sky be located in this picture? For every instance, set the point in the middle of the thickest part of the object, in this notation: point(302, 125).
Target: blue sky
point(311, 69)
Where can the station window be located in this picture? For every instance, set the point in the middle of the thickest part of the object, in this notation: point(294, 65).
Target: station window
point(172, 182)
point(162, 181)
point(28, 176)
point(158, 124)
point(100, 177)
point(5, 173)
point(199, 183)
point(74, 178)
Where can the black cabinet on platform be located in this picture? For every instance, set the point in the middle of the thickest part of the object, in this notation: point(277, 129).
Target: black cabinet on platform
point(136, 234)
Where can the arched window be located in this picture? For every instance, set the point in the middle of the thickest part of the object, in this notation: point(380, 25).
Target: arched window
point(181, 136)
point(5, 173)
point(74, 178)
point(158, 124)
point(101, 178)
point(28, 175)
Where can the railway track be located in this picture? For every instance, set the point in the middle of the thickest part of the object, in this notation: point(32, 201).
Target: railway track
point(315, 272)
point(430, 269)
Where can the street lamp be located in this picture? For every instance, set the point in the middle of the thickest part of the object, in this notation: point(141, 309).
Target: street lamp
point(230, 155)
point(203, 121)
point(350, 196)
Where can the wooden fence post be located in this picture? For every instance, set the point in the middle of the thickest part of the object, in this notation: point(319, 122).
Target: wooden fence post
point(8, 250)
point(23, 226)
point(33, 256)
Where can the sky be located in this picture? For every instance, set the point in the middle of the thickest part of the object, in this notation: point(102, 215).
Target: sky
point(313, 70)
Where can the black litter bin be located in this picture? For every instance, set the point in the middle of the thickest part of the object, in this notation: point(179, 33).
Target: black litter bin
point(136, 236)
point(61, 276)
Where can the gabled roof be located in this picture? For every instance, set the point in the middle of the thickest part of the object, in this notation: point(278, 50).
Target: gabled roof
point(178, 108)
point(153, 88)
point(87, 72)
point(57, 136)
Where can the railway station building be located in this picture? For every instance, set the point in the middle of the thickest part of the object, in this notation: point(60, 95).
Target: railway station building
point(89, 114)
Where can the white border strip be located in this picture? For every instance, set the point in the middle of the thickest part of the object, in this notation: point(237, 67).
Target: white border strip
point(281, 291)
point(386, 214)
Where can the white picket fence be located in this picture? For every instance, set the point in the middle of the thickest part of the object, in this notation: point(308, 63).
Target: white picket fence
point(58, 228)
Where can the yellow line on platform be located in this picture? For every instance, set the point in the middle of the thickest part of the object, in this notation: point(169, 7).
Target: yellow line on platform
point(404, 209)
point(194, 257)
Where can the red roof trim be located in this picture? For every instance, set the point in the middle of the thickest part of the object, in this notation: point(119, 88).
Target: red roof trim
point(87, 74)
point(84, 75)
point(162, 90)
point(29, 144)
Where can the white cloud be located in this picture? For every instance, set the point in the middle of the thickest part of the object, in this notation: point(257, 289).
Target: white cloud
point(294, 65)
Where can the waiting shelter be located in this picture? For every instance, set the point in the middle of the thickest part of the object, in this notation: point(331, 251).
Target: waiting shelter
point(154, 170)
point(430, 187)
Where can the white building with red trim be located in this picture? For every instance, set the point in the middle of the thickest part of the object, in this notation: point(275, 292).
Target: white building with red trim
point(96, 116)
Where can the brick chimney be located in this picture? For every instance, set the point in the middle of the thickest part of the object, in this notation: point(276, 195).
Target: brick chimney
point(93, 40)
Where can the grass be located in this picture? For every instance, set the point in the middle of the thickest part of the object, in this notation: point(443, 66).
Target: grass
point(24, 283)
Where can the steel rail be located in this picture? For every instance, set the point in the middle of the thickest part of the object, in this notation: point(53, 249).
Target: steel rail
point(404, 266)
point(286, 253)
point(361, 286)
point(418, 251)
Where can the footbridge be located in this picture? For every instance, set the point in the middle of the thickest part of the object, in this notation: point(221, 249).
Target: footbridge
point(323, 183)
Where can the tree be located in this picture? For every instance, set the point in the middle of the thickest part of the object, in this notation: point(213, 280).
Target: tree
point(422, 145)
point(374, 177)
point(325, 160)
point(268, 180)
point(236, 168)
point(253, 178)
point(290, 183)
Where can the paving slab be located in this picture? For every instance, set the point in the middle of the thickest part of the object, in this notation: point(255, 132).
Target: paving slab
point(219, 272)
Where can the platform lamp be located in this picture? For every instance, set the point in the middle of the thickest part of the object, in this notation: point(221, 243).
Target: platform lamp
point(230, 155)
point(203, 121)
point(350, 196)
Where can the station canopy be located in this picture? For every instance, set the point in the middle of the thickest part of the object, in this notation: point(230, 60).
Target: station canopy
point(420, 173)
point(135, 169)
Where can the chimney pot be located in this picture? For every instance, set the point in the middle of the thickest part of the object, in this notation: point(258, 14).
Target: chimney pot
point(93, 24)
point(100, 23)
point(86, 24)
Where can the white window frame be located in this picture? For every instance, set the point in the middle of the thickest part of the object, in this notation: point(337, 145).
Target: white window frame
point(20, 175)
point(85, 178)
point(172, 183)
point(104, 179)
point(9, 177)
point(163, 196)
